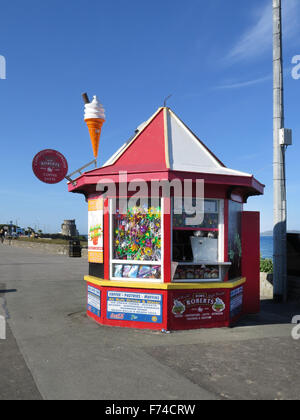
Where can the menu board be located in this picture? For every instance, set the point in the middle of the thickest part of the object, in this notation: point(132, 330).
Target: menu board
point(138, 307)
point(94, 301)
point(95, 237)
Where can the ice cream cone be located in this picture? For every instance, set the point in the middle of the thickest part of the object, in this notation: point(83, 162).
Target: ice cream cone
point(94, 116)
point(94, 126)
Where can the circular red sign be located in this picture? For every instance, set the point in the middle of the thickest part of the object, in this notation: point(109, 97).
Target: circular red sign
point(50, 166)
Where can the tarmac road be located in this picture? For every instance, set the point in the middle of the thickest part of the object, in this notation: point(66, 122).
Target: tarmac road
point(54, 352)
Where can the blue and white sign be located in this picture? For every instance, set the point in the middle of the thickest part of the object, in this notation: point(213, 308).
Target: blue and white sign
point(94, 301)
point(138, 307)
point(236, 301)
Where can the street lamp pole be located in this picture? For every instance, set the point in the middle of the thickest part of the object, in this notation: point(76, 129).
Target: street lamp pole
point(279, 178)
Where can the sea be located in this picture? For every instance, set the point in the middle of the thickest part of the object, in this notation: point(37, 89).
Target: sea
point(266, 246)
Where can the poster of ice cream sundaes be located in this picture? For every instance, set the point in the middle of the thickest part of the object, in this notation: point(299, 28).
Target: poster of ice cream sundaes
point(95, 233)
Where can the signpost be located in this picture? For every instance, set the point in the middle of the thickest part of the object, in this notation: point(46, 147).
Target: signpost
point(50, 166)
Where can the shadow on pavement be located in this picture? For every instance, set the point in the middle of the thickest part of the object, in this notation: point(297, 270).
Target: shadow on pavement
point(271, 313)
point(8, 291)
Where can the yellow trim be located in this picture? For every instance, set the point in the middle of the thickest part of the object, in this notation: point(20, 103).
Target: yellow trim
point(165, 286)
point(95, 257)
point(96, 204)
point(166, 135)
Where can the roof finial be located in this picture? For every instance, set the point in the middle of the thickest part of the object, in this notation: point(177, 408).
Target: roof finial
point(165, 101)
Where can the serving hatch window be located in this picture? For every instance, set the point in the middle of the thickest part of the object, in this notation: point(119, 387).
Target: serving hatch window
point(198, 249)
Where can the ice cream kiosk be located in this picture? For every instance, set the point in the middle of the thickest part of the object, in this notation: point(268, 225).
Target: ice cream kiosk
point(151, 265)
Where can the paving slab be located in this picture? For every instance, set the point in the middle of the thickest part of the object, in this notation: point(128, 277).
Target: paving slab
point(68, 356)
point(16, 381)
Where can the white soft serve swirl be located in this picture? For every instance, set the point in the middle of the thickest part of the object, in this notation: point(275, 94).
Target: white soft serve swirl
point(94, 109)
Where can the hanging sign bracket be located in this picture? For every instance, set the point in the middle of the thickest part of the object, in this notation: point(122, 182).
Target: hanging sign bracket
point(69, 177)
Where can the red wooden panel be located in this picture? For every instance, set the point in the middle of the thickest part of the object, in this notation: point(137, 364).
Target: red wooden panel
point(197, 309)
point(250, 261)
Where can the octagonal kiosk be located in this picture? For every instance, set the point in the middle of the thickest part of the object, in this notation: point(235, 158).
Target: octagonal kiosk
point(150, 265)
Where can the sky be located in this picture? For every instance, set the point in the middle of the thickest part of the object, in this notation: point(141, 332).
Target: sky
point(214, 57)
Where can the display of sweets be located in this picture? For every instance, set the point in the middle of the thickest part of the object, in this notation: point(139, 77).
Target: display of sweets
point(196, 272)
point(137, 234)
point(210, 221)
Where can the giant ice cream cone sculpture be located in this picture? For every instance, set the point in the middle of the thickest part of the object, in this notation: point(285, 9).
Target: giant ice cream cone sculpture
point(94, 116)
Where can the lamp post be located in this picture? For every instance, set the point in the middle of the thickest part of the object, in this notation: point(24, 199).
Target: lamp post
point(282, 138)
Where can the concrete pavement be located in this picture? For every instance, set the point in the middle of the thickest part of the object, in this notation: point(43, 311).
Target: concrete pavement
point(16, 381)
point(54, 351)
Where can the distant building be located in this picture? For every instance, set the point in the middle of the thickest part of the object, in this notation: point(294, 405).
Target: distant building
point(68, 228)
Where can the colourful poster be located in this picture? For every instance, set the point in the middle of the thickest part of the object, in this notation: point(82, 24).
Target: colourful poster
point(138, 307)
point(95, 237)
point(94, 301)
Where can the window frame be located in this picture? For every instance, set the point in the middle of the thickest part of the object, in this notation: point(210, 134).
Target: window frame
point(113, 261)
point(221, 247)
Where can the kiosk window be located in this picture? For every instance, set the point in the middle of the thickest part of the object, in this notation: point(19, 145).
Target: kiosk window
point(198, 249)
point(136, 242)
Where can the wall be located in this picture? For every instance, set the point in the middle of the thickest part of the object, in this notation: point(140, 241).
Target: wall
point(44, 248)
point(266, 287)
